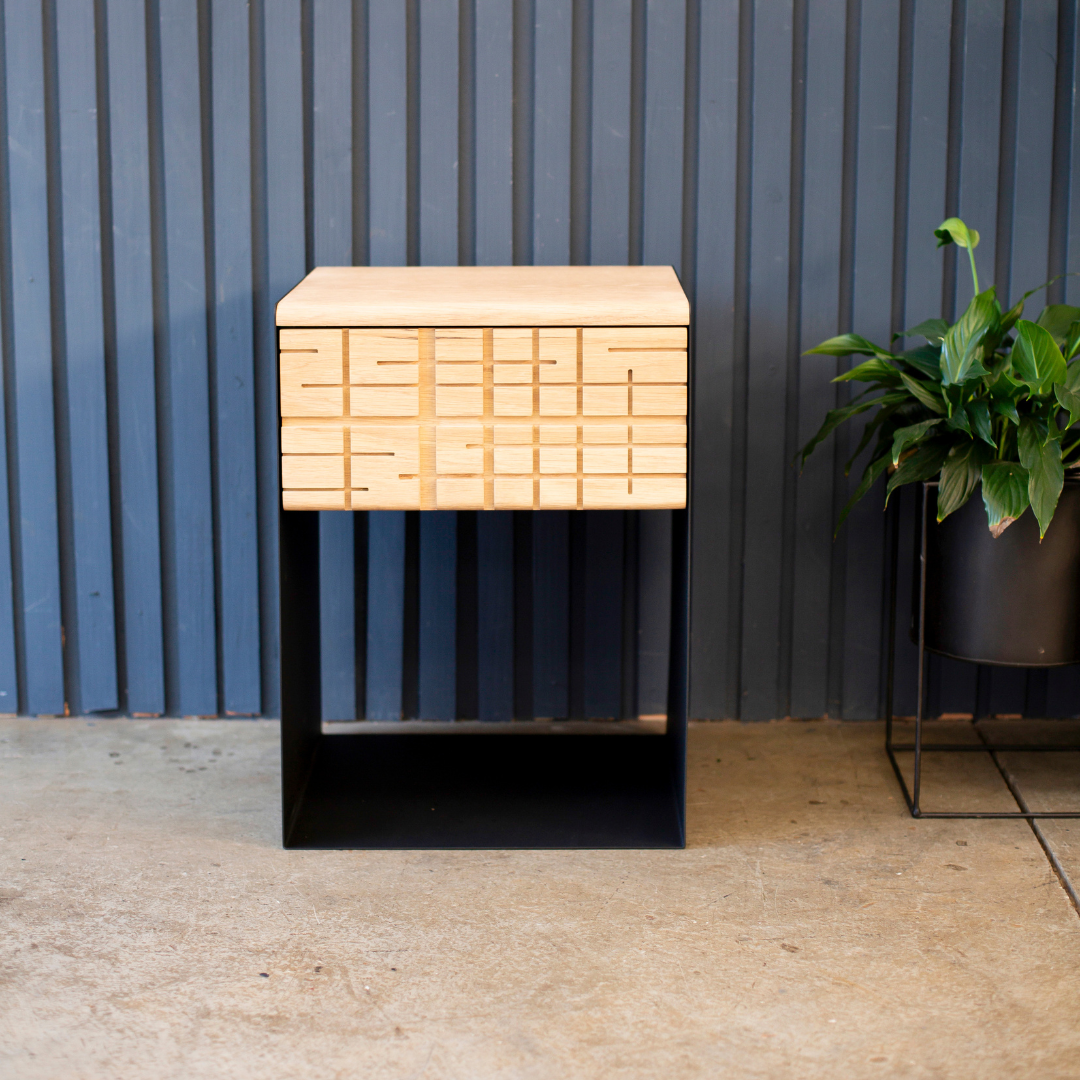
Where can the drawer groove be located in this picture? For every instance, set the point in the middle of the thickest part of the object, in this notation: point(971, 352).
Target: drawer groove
point(468, 418)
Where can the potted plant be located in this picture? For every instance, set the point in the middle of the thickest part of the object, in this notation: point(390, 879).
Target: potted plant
point(990, 403)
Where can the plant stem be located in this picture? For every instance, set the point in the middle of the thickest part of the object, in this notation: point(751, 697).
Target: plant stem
point(974, 275)
point(1066, 453)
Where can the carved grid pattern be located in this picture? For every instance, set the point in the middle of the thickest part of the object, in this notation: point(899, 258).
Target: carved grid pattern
point(483, 419)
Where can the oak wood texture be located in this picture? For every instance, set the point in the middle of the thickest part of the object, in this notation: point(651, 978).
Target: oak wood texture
point(484, 388)
point(490, 296)
point(464, 418)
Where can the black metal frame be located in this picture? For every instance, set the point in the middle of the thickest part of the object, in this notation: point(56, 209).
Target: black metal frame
point(912, 795)
point(464, 789)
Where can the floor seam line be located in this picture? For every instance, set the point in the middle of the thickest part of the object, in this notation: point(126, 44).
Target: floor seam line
point(1051, 858)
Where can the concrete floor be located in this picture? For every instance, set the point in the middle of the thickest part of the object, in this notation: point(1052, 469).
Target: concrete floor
point(152, 927)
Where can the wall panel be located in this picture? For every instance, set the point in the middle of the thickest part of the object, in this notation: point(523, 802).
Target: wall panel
point(169, 171)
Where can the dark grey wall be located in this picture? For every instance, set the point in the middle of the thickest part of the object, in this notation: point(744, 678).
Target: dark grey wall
point(169, 169)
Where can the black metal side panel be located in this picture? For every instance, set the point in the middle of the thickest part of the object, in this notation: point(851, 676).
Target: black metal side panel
point(679, 679)
point(300, 683)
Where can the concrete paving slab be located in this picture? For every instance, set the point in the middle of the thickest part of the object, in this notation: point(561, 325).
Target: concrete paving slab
point(151, 926)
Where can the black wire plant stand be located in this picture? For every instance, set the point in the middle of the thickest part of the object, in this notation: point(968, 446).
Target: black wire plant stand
point(913, 795)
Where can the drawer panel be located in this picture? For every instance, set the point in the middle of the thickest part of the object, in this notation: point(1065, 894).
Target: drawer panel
point(472, 418)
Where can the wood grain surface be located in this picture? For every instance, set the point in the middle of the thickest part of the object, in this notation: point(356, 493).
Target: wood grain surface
point(461, 418)
point(510, 296)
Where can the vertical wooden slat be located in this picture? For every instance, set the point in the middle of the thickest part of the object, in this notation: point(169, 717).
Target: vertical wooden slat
point(387, 207)
point(439, 167)
point(524, 636)
point(665, 85)
point(551, 128)
point(492, 172)
point(717, 50)
point(1063, 684)
point(234, 362)
point(282, 130)
point(135, 377)
point(90, 628)
point(385, 592)
point(926, 169)
point(438, 602)
point(981, 132)
point(551, 613)
point(662, 210)
point(820, 284)
point(332, 132)
point(766, 373)
point(927, 162)
point(337, 614)
point(495, 614)
point(1029, 217)
point(1072, 249)
point(552, 28)
point(609, 244)
point(654, 610)
point(1030, 234)
point(9, 678)
point(610, 150)
point(602, 639)
point(30, 364)
point(387, 131)
point(982, 30)
point(332, 158)
point(438, 92)
point(494, 140)
point(871, 314)
point(191, 669)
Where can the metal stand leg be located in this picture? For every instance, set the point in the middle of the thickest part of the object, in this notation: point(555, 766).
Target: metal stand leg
point(913, 795)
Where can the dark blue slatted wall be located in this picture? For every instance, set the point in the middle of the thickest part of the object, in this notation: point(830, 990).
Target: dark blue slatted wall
point(169, 170)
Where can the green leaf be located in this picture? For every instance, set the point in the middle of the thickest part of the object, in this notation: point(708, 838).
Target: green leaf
point(959, 421)
point(925, 359)
point(911, 435)
point(1006, 407)
point(979, 411)
point(1072, 341)
point(873, 370)
point(954, 231)
point(846, 344)
point(1008, 320)
point(1030, 440)
point(925, 393)
point(869, 478)
point(868, 433)
point(835, 417)
point(1036, 359)
point(960, 351)
point(1046, 475)
point(932, 329)
point(960, 475)
point(1068, 399)
point(1005, 494)
point(924, 464)
point(1058, 319)
point(1072, 377)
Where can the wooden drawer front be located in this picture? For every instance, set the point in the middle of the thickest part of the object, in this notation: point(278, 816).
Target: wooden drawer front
point(472, 418)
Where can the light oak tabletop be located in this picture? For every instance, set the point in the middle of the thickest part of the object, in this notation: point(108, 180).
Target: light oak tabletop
point(486, 296)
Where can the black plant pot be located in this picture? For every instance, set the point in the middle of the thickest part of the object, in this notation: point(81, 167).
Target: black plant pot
point(1012, 600)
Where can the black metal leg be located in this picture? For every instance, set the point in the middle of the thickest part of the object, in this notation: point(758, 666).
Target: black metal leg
point(920, 704)
point(890, 670)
